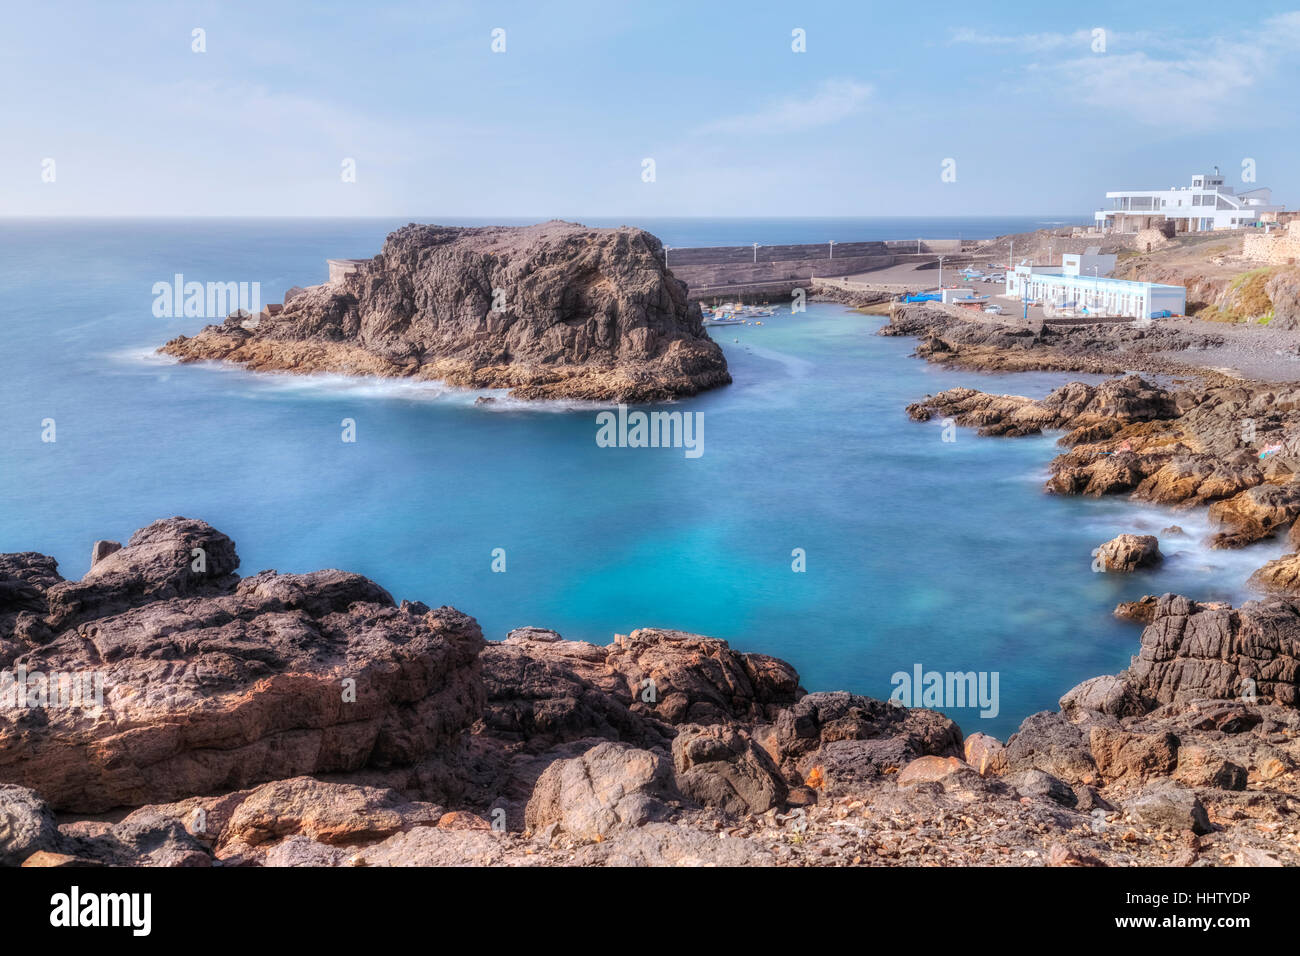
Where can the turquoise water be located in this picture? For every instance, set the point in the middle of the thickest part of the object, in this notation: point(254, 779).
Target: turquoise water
point(918, 551)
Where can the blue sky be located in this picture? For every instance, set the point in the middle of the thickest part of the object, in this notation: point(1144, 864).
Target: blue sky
point(559, 124)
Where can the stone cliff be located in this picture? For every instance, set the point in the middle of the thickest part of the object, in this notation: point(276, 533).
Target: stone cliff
point(555, 310)
point(311, 720)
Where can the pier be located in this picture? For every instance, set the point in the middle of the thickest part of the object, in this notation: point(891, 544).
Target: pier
point(757, 272)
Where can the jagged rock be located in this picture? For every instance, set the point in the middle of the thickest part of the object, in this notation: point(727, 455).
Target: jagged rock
point(930, 770)
point(1281, 575)
point(610, 787)
point(147, 838)
point(543, 691)
point(1199, 766)
point(26, 825)
point(1192, 651)
point(211, 683)
point(1036, 783)
point(700, 680)
point(1088, 798)
point(1049, 742)
point(1119, 753)
point(331, 813)
point(1143, 610)
point(1174, 807)
point(852, 738)
point(102, 549)
point(1128, 552)
point(1109, 695)
point(1255, 514)
point(986, 754)
point(555, 310)
point(173, 557)
point(720, 766)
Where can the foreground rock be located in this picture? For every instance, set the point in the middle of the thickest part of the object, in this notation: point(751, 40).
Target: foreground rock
point(206, 682)
point(555, 310)
point(660, 749)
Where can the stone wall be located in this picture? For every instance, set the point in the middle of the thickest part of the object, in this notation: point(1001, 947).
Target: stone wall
point(1277, 248)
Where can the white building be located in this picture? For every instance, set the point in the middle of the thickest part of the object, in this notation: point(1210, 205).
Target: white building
point(1082, 286)
point(1204, 205)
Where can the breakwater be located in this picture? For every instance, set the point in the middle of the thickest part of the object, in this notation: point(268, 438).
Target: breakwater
point(762, 272)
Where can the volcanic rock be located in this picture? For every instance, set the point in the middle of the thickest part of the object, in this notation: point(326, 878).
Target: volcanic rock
point(555, 310)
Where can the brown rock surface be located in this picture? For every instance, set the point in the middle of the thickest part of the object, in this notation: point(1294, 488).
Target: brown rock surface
point(1128, 552)
point(555, 310)
point(213, 683)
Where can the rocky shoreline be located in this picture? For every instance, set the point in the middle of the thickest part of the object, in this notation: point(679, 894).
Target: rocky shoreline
point(552, 311)
point(1208, 439)
point(291, 720)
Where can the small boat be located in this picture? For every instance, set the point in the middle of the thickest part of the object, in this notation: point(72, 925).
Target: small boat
point(725, 319)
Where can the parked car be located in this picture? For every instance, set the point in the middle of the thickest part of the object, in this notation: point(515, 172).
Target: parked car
point(994, 309)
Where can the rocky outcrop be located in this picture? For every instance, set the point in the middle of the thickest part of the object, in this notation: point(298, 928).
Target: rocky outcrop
point(197, 681)
point(608, 788)
point(1193, 651)
point(1128, 552)
point(1233, 448)
point(720, 766)
point(1281, 575)
point(555, 310)
point(662, 748)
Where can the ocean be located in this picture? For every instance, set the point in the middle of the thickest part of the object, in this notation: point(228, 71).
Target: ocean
point(917, 551)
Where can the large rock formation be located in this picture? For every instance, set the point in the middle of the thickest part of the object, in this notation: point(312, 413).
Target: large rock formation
point(1235, 448)
point(207, 682)
point(224, 732)
point(555, 310)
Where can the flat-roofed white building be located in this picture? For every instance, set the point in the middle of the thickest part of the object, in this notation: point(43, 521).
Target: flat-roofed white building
point(1080, 288)
point(1205, 205)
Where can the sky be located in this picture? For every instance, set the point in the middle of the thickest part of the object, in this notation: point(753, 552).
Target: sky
point(109, 109)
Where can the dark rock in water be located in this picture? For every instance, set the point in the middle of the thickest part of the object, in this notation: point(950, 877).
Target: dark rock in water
point(1143, 610)
point(555, 310)
point(1128, 552)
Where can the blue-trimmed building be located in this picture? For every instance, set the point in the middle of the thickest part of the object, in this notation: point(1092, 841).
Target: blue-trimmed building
point(1081, 285)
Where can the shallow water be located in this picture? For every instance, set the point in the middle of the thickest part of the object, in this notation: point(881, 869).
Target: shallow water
point(918, 551)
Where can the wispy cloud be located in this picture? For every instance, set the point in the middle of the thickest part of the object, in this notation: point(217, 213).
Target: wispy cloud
point(831, 102)
point(1157, 79)
point(1033, 42)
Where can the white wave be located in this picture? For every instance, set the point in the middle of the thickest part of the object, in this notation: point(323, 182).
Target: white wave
point(333, 384)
